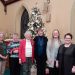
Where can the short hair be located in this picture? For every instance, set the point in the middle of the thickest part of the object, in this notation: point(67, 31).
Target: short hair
point(69, 35)
point(28, 32)
point(15, 34)
point(39, 29)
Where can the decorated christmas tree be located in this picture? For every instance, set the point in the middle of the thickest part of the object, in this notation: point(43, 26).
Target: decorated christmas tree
point(35, 21)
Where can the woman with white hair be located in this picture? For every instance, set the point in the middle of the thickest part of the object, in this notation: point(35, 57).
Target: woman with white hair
point(26, 53)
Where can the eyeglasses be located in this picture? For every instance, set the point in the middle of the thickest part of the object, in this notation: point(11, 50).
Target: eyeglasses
point(67, 38)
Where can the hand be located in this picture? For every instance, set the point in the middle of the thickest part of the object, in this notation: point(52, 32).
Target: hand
point(47, 71)
point(20, 61)
point(57, 65)
point(73, 69)
point(15, 51)
point(3, 57)
point(49, 61)
point(0, 55)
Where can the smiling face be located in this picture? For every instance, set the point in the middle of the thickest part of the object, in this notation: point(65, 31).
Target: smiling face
point(55, 34)
point(40, 32)
point(67, 39)
point(15, 37)
point(28, 35)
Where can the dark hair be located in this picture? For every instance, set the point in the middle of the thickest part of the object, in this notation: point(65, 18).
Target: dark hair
point(39, 29)
point(69, 35)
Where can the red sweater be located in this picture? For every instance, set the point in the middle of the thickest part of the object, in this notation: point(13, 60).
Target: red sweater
point(22, 50)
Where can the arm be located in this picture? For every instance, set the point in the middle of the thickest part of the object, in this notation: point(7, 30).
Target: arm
point(48, 51)
point(9, 49)
point(20, 48)
point(57, 59)
point(3, 57)
point(74, 57)
point(73, 68)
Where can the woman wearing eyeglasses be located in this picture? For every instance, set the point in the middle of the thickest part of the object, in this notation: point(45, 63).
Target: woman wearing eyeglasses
point(66, 56)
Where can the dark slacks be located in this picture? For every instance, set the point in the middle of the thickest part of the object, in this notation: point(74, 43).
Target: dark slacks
point(26, 67)
point(54, 71)
point(41, 65)
point(40, 69)
point(14, 66)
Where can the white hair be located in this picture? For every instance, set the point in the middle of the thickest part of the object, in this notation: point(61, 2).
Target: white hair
point(28, 32)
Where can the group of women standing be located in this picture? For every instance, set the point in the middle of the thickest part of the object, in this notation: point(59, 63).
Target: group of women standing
point(53, 57)
point(61, 55)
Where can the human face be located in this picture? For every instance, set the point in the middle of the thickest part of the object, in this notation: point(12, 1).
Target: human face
point(55, 34)
point(15, 37)
point(28, 36)
point(1, 37)
point(68, 39)
point(40, 33)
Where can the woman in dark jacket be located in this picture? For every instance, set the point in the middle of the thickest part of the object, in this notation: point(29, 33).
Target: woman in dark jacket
point(40, 52)
point(66, 56)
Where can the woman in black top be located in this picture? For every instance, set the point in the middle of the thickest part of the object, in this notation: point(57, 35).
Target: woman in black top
point(40, 51)
point(66, 56)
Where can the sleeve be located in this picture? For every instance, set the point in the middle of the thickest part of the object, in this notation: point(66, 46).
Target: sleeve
point(20, 49)
point(48, 50)
point(35, 47)
point(46, 38)
point(74, 57)
point(8, 49)
point(5, 50)
point(33, 51)
point(57, 58)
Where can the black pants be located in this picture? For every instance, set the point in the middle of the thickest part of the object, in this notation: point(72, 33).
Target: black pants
point(41, 65)
point(14, 66)
point(53, 71)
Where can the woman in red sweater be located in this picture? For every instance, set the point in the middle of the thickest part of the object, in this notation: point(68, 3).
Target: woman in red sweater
point(26, 53)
